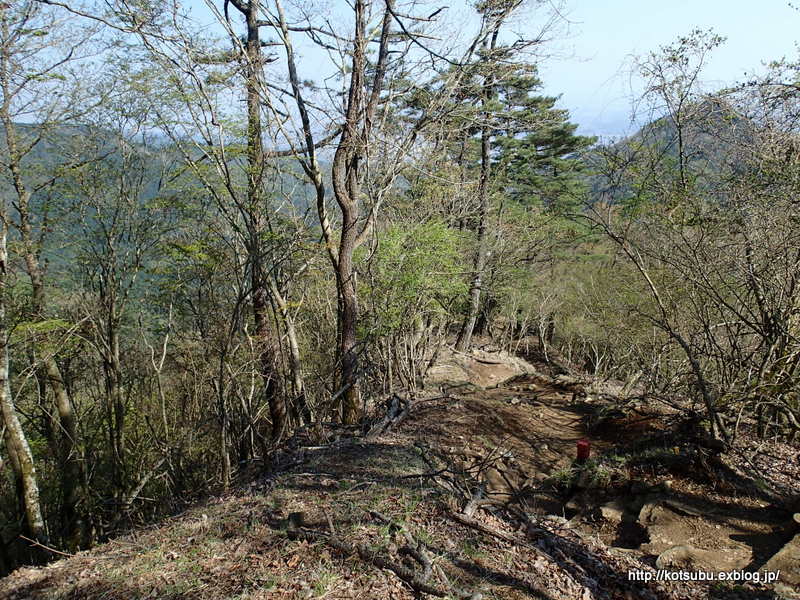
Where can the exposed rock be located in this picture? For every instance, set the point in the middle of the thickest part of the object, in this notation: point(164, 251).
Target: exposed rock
point(671, 524)
point(647, 512)
point(613, 511)
point(684, 508)
point(576, 504)
point(501, 482)
point(683, 557)
point(478, 368)
point(787, 561)
point(688, 557)
point(639, 487)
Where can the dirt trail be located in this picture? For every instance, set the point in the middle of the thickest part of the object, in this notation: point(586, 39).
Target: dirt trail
point(520, 437)
point(527, 429)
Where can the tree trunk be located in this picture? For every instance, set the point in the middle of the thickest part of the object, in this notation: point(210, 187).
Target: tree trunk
point(71, 522)
point(351, 403)
point(255, 159)
point(481, 258)
point(346, 189)
point(70, 461)
point(300, 404)
point(360, 111)
point(16, 442)
point(115, 406)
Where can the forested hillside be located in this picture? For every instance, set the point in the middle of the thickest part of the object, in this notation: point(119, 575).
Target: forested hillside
point(359, 246)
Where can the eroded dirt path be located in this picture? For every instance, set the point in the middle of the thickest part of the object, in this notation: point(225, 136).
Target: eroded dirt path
point(656, 504)
point(527, 429)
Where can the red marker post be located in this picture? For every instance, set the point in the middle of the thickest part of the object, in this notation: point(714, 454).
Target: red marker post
point(583, 450)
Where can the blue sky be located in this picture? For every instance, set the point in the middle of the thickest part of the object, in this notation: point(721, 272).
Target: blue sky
point(593, 72)
point(591, 55)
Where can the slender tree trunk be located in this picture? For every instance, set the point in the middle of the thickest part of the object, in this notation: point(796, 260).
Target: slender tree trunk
point(351, 403)
point(71, 522)
point(481, 258)
point(359, 114)
point(16, 468)
point(346, 189)
point(255, 157)
point(295, 360)
point(16, 442)
point(112, 367)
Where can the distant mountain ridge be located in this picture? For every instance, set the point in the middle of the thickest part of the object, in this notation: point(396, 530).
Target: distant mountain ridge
point(709, 135)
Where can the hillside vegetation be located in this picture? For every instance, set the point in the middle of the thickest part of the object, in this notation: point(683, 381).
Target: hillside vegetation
point(469, 494)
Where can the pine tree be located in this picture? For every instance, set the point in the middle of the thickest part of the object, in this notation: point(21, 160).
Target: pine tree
point(536, 150)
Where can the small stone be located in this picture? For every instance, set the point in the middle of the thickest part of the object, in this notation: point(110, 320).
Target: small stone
point(646, 513)
point(574, 505)
point(677, 556)
point(496, 482)
point(557, 520)
point(613, 511)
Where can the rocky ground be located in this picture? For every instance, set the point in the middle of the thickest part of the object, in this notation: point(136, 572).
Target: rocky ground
point(470, 490)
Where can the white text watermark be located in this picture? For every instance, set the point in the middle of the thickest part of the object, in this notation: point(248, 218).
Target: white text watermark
point(756, 577)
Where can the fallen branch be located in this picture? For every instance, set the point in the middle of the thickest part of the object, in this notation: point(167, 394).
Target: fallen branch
point(417, 582)
point(48, 548)
point(470, 522)
point(413, 580)
point(397, 410)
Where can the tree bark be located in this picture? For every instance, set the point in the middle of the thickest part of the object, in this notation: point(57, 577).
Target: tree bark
point(356, 131)
point(346, 189)
point(16, 442)
point(300, 404)
point(255, 158)
point(481, 258)
point(112, 367)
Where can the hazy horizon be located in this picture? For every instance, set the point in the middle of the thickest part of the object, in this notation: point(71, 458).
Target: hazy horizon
point(592, 73)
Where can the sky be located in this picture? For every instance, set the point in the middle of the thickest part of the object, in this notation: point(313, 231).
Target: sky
point(589, 60)
point(592, 71)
